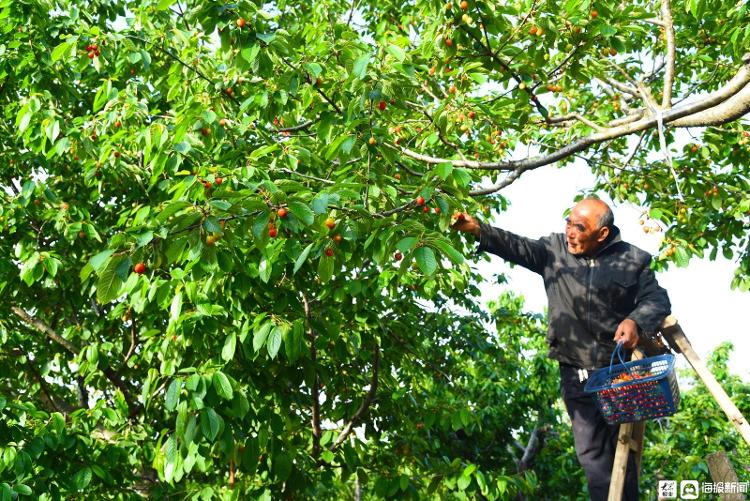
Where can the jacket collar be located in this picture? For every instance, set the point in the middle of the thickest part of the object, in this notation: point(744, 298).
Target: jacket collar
point(613, 238)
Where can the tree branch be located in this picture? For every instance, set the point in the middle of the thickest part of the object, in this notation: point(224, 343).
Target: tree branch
point(576, 116)
point(731, 109)
point(535, 444)
point(666, 15)
point(722, 106)
point(306, 176)
point(539, 106)
point(315, 386)
point(293, 128)
point(45, 329)
point(365, 403)
point(113, 377)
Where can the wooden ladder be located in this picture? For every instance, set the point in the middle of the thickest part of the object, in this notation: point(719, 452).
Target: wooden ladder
point(630, 437)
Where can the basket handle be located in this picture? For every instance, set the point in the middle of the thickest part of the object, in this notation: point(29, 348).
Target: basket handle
point(618, 351)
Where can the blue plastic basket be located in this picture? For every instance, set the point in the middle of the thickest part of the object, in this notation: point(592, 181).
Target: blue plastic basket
point(651, 393)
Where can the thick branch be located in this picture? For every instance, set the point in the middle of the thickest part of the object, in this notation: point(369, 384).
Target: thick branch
point(45, 329)
point(509, 179)
point(365, 403)
point(733, 107)
point(536, 442)
point(666, 15)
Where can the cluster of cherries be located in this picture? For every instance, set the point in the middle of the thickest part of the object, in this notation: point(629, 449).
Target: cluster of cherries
point(93, 50)
point(625, 377)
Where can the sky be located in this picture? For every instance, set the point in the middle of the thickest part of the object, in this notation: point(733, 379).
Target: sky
point(705, 306)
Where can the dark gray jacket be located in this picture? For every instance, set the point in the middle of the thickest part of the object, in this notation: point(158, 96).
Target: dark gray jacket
point(588, 297)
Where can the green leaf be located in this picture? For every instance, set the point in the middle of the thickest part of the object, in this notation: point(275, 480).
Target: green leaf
point(249, 54)
point(208, 117)
point(222, 385)
point(301, 259)
point(444, 170)
point(681, 257)
point(302, 212)
point(211, 225)
point(171, 458)
point(263, 151)
point(426, 260)
point(165, 4)
point(463, 482)
point(82, 479)
point(325, 269)
point(6, 493)
point(447, 249)
point(211, 423)
point(264, 269)
point(396, 52)
point(406, 244)
point(274, 340)
point(260, 335)
point(320, 203)
point(173, 394)
point(52, 130)
point(282, 466)
point(293, 340)
point(109, 283)
point(227, 352)
point(360, 66)
point(23, 489)
point(62, 48)
point(171, 209)
point(100, 259)
point(143, 239)
point(102, 95)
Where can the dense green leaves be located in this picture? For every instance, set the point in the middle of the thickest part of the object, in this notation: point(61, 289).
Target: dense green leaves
point(173, 135)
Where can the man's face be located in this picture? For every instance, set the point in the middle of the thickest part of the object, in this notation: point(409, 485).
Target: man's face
point(582, 233)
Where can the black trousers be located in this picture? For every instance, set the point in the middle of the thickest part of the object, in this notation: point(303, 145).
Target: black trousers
point(595, 440)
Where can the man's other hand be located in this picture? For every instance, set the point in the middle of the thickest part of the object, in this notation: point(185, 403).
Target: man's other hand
point(627, 332)
point(466, 223)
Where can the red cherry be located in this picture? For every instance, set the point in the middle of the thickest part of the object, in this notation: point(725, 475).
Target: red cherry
point(282, 212)
point(272, 232)
point(425, 209)
point(397, 256)
point(139, 268)
point(218, 181)
point(420, 200)
point(382, 105)
point(329, 252)
point(207, 185)
point(437, 210)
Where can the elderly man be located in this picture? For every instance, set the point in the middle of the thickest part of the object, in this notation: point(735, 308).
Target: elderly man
point(601, 290)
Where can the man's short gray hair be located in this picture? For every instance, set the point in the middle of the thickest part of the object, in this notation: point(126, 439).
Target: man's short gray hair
point(607, 219)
